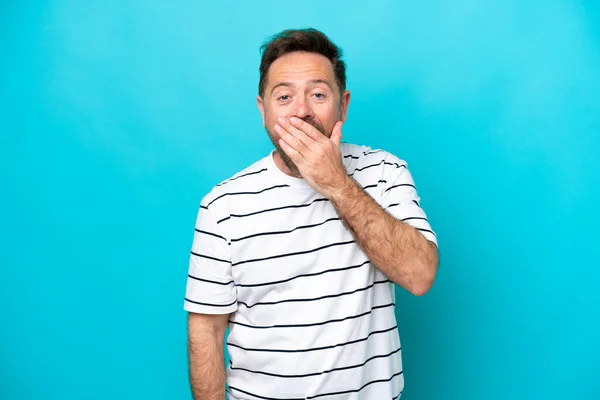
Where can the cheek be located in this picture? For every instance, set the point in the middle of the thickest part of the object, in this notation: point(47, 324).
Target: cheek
point(271, 116)
point(327, 117)
point(270, 121)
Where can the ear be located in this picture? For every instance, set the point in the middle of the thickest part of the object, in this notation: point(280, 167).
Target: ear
point(345, 103)
point(261, 108)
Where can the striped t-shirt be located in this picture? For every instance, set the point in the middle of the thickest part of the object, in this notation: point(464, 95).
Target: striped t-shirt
point(311, 316)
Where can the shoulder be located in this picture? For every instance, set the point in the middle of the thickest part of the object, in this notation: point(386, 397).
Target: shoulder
point(244, 180)
point(359, 157)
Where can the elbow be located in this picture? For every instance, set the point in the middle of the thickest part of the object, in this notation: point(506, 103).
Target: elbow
point(421, 288)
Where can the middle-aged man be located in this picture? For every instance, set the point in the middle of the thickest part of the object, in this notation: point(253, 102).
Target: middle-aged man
point(298, 254)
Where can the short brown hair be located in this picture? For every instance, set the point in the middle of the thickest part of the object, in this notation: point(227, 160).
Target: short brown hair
point(309, 40)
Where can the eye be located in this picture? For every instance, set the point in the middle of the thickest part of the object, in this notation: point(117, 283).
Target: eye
point(319, 96)
point(284, 97)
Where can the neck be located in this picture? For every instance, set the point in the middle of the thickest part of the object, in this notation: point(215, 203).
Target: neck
point(283, 167)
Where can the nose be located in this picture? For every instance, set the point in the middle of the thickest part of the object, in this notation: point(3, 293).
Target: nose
point(302, 109)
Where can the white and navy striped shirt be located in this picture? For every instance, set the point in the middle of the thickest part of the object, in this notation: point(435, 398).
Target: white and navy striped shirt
point(311, 317)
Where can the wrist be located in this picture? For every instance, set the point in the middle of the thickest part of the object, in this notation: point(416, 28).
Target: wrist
point(342, 190)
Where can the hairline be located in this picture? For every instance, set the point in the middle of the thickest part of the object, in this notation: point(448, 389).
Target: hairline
point(266, 78)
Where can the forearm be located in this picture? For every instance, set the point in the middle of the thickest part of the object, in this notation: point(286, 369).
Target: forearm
point(401, 252)
point(206, 366)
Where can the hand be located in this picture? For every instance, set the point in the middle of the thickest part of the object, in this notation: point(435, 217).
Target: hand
point(317, 157)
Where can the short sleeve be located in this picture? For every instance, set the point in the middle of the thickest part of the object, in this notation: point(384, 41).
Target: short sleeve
point(399, 197)
point(210, 287)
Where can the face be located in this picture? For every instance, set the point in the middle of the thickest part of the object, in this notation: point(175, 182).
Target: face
point(301, 85)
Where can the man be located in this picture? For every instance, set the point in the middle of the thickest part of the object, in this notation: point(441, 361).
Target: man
point(298, 254)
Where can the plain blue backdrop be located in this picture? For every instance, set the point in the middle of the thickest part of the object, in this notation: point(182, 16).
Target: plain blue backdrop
point(117, 117)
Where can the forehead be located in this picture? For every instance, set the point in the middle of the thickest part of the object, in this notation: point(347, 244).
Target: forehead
point(300, 66)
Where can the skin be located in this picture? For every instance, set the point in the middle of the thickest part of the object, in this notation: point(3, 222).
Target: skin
point(206, 334)
point(303, 111)
point(302, 85)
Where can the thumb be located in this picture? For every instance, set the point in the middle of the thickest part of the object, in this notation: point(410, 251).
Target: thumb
point(336, 134)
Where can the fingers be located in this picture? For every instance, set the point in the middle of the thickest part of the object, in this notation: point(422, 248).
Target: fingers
point(301, 141)
point(297, 133)
point(294, 154)
point(336, 133)
point(307, 129)
point(292, 140)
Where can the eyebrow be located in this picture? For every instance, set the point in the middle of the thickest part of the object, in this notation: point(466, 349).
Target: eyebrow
point(312, 81)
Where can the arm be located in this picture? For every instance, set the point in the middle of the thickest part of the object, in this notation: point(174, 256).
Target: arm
point(205, 351)
point(398, 250)
point(401, 252)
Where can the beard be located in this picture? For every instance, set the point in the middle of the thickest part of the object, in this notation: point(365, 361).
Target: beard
point(286, 159)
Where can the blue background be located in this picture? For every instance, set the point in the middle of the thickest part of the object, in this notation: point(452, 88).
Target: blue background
point(117, 117)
